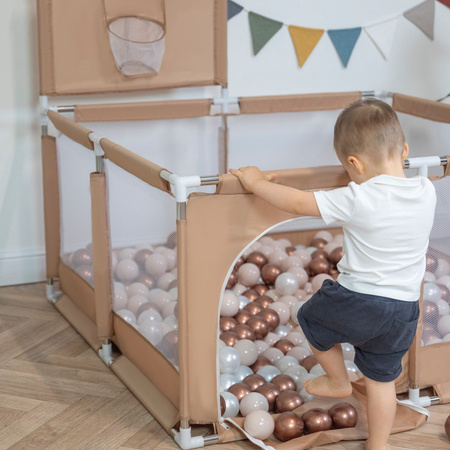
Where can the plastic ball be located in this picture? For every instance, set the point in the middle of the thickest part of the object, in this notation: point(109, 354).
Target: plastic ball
point(231, 404)
point(159, 298)
point(294, 311)
point(262, 346)
point(127, 253)
point(227, 380)
point(135, 302)
point(172, 322)
point(283, 363)
point(149, 315)
point(259, 424)
point(443, 268)
point(445, 280)
point(81, 257)
point(248, 352)
point(126, 315)
point(248, 274)
point(243, 301)
point(317, 370)
point(156, 264)
point(298, 374)
point(288, 426)
point(268, 372)
point(286, 284)
point(151, 330)
point(230, 304)
point(289, 300)
point(282, 310)
point(120, 300)
point(166, 280)
point(242, 372)
point(325, 235)
point(281, 331)
point(306, 396)
point(137, 289)
point(318, 280)
point(431, 292)
point(127, 270)
point(271, 339)
point(443, 324)
point(253, 402)
point(443, 307)
point(291, 261)
point(273, 354)
point(299, 353)
point(229, 360)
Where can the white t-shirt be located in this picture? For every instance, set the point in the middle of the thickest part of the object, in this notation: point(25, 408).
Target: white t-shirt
point(386, 222)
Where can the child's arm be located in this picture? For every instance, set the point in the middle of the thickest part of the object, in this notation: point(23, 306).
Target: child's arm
point(286, 198)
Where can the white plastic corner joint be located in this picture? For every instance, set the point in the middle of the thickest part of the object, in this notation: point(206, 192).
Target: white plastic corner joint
point(96, 138)
point(51, 294)
point(181, 184)
point(105, 353)
point(186, 441)
point(43, 108)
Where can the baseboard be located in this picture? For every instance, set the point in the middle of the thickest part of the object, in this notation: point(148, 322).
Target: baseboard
point(22, 267)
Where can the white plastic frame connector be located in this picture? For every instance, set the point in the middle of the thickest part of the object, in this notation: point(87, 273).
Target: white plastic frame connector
point(50, 293)
point(186, 441)
point(181, 184)
point(96, 138)
point(377, 93)
point(225, 101)
point(105, 354)
point(423, 163)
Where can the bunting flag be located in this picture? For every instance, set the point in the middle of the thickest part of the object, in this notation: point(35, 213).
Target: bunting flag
point(344, 41)
point(422, 16)
point(262, 30)
point(382, 35)
point(233, 9)
point(304, 40)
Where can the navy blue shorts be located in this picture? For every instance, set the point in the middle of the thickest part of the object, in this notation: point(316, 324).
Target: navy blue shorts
point(381, 329)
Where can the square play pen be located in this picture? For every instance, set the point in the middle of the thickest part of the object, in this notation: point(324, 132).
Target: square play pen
point(188, 286)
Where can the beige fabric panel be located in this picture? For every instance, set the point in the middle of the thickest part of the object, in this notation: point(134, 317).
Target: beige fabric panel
point(447, 167)
point(135, 164)
point(152, 9)
point(147, 393)
point(101, 251)
point(310, 178)
point(291, 103)
point(220, 44)
point(69, 309)
point(73, 31)
point(51, 205)
point(71, 129)
point(113, 112)
point(427, 109)
point(78, 290)
point(415, 350)
point(147, 359)
point(434, 364)
point(223, 147)
point(443, 392)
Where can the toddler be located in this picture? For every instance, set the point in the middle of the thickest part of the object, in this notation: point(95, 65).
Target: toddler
point(386, 220)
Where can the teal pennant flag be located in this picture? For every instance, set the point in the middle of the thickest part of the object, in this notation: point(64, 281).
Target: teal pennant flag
point(233, 9)
point(262, 30)
point(344, 41)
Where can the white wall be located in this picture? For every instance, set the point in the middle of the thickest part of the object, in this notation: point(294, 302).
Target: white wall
point(417, 66)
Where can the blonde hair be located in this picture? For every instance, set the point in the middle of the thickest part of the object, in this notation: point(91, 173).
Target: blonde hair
point(370, 127)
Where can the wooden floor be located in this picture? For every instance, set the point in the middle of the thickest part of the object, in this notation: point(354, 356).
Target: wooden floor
point(55, 393)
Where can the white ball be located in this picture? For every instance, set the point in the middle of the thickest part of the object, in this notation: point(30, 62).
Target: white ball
point(283, 363)
point(127, 270)
point(229, 360)
point(149, 315)
point(317, 370)
point(231, 404)
point(120, 300)
point(135, 302)
point(299, 353)
point(239, 289)
point(229, 305)
point(243, 301)
point(282, 309)
point(446, 338)
point(171, 321)
point(128, 316)
point(434, 341)
point(286, 284)
point(164, 280)
point(444, 325)
point(429, 277)
point(268, 372)
point(137, 289)
point(156, 264)
point(445, 280)
point(281, 331)
point(443, 307)
point(325, 235)
point(259, 424)
point(431, 292)
point(126, 253)
point(306, 397)
point(253, 402)
point(242, 372)
point(248, 352)
point(152, 330)
point(227, 380)
point(297, 373)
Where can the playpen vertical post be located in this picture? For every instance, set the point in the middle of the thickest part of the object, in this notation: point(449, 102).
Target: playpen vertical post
point(101, 253)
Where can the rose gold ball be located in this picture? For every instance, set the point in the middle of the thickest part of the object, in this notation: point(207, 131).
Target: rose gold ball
point(81, 257)
point(319, 254)
point(288, 401)
point(229, 337)
point(223, 406)
point(445, 292)
point(284, 345)
point(318, 265)
point(244, 332)
point(334, 274)
point(288, 425)
point(428, 328)
point(242, 317)
point(290, 250)
point(284, 382)
point(172, 240)
point(343, 415)
point(141, 255)
point(260, 362)
point(264, 301)
point(271, 392)
point(430, 337)
point(254, 381)
point(251, 294)
point(252, 308)
point(239, 263)
point(260, 289)
point(317, 419)
point(146, 279)
point(431, 262)
point(232, 281)
point(318, 243)
point(257, 258)
point(240, 390)
point(336, 255)
point(271, 317)
point(309, 362)
point(169, 344)
point(146, 307)
point(227, 323)
point(259, 326)
point(430, 311)
point(269, 273)
point(447, 427)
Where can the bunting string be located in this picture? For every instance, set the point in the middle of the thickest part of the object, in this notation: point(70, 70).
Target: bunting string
point(344, 40)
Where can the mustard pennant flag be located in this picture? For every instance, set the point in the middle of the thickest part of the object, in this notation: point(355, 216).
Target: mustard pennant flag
point(262, 30)
point(304, 40)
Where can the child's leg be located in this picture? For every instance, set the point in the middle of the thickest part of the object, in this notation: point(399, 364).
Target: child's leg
point(335, 383)
point(381, 408)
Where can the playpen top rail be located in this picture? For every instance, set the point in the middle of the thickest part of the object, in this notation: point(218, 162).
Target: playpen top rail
point(419, 107)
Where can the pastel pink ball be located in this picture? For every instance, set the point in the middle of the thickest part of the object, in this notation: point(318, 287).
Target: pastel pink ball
point(230, 304)
point(283, 311)
point(317, 281)
point(253, 402)
point(259, 424)
point(301, 274)
point(248, 274)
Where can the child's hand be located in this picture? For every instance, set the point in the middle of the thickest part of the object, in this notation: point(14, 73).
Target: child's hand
point(249, 176)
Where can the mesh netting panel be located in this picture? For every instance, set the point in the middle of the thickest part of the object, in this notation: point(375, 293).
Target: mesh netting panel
point(138, 45)
point(259, 331)
point(436, 294)
point(75, 165)
point(144, 265)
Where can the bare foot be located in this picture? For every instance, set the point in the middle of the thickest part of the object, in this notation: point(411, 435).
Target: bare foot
point(323, 386)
